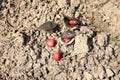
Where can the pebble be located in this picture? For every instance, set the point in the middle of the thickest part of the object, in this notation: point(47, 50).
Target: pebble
point(62, 3)
point(109, 51)
point(117, 77)
point(98, 72)
point(109, 72)
point(85, 30)
point(81, 45)
point(19, 39)
point(87, 75)
point(76, 74)
point(75, 2)
point(102, 39)
point(102, 74)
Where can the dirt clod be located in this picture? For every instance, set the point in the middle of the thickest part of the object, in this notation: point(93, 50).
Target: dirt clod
point(91, 54)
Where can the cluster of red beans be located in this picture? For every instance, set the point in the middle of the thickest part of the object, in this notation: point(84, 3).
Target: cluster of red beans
point(51, 42)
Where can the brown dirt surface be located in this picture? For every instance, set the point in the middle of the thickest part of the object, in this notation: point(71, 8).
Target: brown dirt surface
point(92, 54)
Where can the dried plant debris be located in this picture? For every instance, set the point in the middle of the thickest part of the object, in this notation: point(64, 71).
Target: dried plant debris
point(67, 37)
point(71, 22)
point(49, 26)
point(68, 34)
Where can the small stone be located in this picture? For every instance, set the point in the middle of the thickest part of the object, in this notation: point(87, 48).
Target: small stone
point(19, 38)
point(87, 75)
point(109, 72)
point(102, 74)
point(75, 2)
point(62, 3)
point(58, 17)
point(81, 44)
point(117, 77)
point(77, 14)
point(61, 76)
point(98, 72)
point(75, 74)
point(82, 61)
point(79, 78)
point(87, 31)
point(109, 51)
point(102, 39)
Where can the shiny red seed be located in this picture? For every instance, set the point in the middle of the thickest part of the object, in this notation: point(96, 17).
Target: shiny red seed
point(72, 22)
point(66, 39)
point(56, 56)
point(50, 42)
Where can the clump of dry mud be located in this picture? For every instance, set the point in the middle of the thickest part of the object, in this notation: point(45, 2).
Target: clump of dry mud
point(90, 56)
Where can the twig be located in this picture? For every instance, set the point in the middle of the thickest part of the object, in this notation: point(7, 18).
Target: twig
point(9, 23)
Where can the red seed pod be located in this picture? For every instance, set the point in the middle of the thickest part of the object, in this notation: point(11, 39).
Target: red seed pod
point(72, 22)
point(56, 56)
point(66, 39)
point(50, 42)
